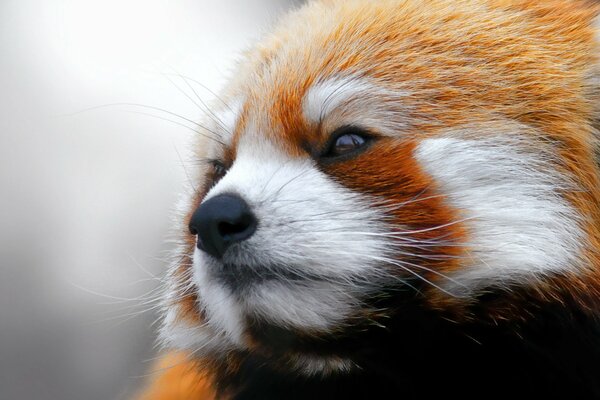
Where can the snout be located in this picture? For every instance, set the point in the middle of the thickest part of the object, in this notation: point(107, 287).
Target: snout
point(220, 222)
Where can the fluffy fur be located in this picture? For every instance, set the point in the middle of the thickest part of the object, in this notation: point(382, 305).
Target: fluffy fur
point(456, 249)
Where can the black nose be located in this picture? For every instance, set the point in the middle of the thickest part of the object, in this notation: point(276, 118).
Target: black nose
point(221, 221)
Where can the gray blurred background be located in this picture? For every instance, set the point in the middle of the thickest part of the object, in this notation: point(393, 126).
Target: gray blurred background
point(87, 196)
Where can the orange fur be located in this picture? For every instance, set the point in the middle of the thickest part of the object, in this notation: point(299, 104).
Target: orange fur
point(178, 379)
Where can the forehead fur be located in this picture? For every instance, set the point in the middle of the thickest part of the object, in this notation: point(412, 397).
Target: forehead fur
point(527, 60)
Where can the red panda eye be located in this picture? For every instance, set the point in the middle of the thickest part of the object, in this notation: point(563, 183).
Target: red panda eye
point(218, 170)
point(348, 140)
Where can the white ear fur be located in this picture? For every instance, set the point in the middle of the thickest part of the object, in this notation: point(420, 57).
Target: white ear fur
point(352, 100)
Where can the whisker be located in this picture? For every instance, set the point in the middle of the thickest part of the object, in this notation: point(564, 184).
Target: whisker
point(204, 108)
point(278, 191)
point(215, 138)
point(95, 293)
point(216, 96)
point(401, 264)
point(185, 171)
point(143, 269)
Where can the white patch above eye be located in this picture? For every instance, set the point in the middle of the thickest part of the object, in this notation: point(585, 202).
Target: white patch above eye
point(358, 101)
point(509, 194)
point(326, 96)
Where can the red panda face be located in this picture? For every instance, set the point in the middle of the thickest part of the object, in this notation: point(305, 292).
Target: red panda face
point(370, 155)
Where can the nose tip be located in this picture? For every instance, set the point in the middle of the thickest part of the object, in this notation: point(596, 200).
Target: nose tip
point(220, 222)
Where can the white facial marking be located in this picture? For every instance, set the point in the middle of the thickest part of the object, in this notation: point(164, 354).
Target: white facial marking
point(326, 96)
point(309, 226)
point(356, 101)
point(520, 226)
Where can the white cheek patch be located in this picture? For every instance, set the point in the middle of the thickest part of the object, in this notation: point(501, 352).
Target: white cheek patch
point(520, 225)
point(351, 100)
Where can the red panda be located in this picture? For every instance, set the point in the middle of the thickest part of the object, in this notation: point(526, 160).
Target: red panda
point(399, 199)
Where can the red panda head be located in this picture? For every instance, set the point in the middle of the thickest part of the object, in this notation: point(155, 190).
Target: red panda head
point(372, 157)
